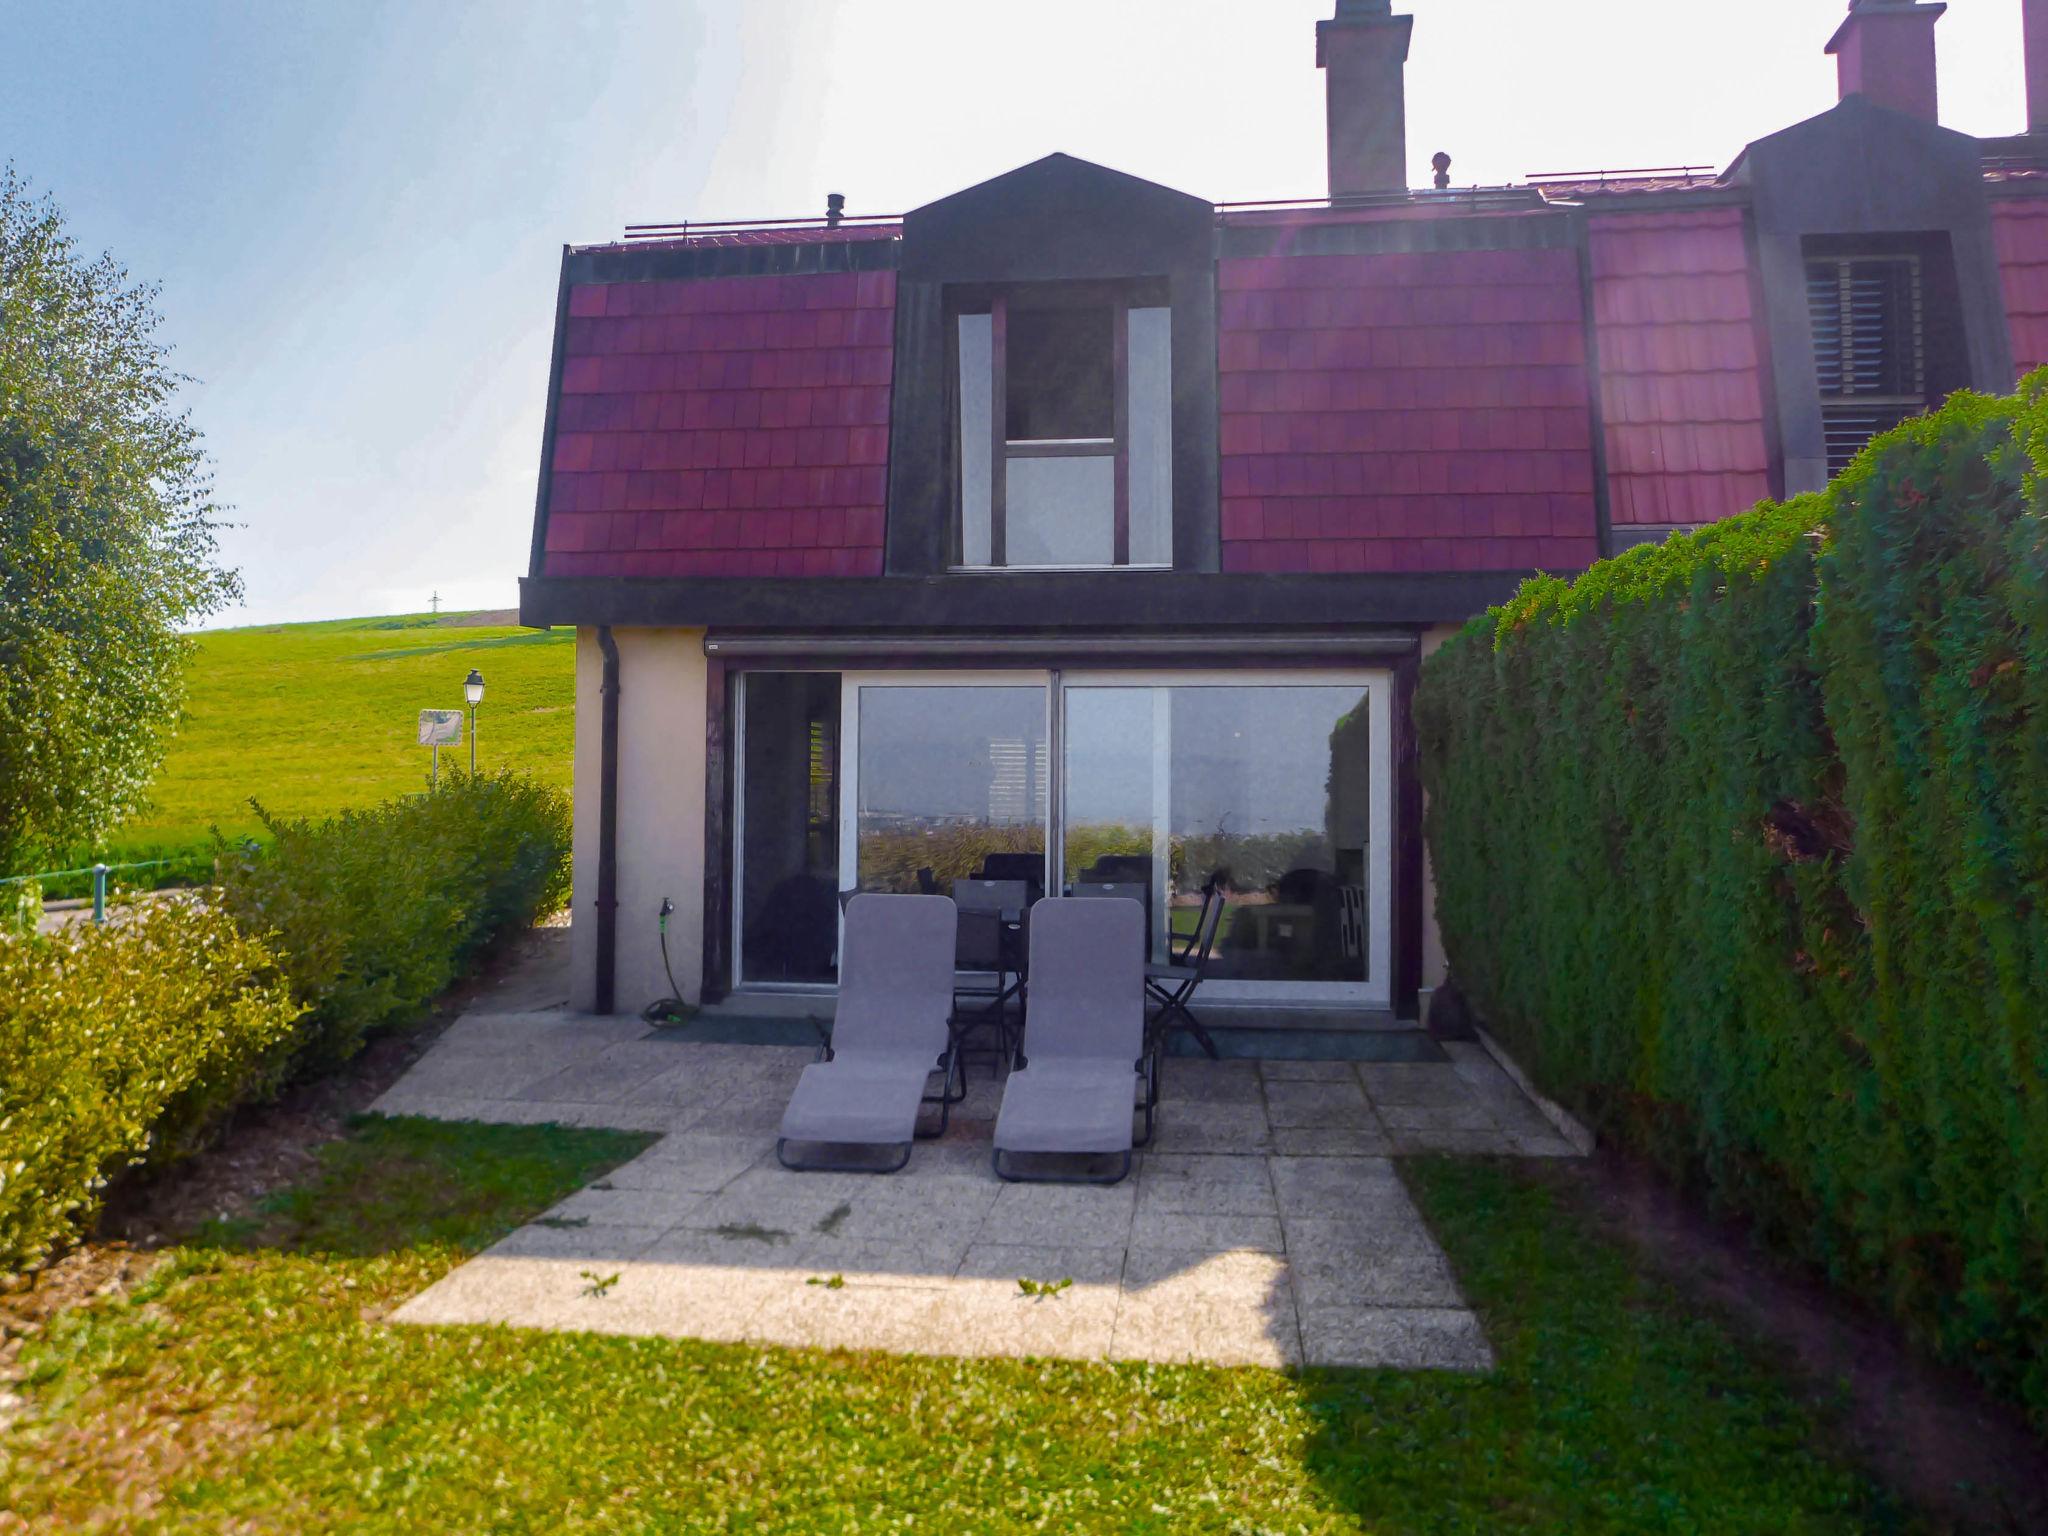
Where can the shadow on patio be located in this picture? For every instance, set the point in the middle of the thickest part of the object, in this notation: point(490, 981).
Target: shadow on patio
point(1265, 1225)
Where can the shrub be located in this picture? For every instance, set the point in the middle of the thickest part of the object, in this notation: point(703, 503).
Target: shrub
point(376, 911)
point(1741, 842)
point(121, 1045)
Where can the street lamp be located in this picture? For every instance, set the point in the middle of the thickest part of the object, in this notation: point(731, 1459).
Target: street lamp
point(473, 690)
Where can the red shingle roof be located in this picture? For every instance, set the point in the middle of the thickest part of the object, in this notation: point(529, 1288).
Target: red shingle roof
point(2020, 230)
point(723, 427)
point(1404, 412)
point(1681, 380)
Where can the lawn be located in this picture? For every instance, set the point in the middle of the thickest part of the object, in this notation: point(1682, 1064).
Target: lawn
point(253, 1385)
point(315, 718)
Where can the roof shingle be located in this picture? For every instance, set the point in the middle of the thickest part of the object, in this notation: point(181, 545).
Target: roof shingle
point(1681, 386)
point(723, 427)
point(1404, 412)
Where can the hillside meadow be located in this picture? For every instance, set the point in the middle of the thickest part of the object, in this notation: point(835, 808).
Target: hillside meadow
point(315, 718)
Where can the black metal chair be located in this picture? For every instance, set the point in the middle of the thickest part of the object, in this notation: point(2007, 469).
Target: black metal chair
point(1028, 867)
point(1120, 869)
point(1181, 947)
point(1171, 986)
point(993, 915)
point(1139, 891)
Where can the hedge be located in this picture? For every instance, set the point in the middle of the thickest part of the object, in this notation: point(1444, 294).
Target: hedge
point(123, 1045)
point(1741, 845)
point(374, 912)
point(127, 1044)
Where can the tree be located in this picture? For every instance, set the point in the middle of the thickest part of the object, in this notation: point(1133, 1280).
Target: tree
point(107, 535)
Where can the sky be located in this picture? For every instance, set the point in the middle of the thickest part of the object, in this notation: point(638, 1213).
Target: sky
point(357, 209)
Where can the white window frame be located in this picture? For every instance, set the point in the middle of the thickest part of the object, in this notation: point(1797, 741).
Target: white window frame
point(1000, 449)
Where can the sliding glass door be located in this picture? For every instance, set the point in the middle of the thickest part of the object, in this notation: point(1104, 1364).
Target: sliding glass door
point(1276, 786)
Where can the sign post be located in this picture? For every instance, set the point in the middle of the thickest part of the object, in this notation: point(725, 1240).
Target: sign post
point(440, 728)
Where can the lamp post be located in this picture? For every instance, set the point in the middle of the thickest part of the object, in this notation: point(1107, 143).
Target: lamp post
point(473, 690)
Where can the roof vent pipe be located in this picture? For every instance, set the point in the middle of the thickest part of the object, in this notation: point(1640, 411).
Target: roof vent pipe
point(1363, 52)
point(1885, 52)
point(835, 209)
point(2034, 19)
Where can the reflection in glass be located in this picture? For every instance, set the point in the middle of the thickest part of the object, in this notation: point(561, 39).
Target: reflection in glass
point(977, 368)
point(1060, 511)
point(1266, 784)
point(1151, 445)
point(949, 776)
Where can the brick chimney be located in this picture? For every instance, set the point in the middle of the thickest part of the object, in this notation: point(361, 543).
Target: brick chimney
point(1885, 51)
point(2035, 21)
point(1363, 51)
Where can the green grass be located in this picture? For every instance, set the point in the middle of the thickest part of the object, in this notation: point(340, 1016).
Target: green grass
point(316, 718)
point(253, 1385)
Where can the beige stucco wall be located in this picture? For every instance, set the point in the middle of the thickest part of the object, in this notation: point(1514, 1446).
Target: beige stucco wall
point(1434, 966)
point(662, 674)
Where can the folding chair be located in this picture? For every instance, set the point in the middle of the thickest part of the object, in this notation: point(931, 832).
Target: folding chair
point(1084, 1043)
point(891, 1031)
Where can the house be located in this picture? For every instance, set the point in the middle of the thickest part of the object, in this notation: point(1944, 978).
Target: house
point(1073, 528)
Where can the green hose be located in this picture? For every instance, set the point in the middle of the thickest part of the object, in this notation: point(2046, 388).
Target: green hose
point(671, 1011)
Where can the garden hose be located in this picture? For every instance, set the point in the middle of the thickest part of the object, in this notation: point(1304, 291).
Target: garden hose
point(670, 1010)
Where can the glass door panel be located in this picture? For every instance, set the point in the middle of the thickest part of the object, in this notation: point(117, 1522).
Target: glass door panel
point(950, 774)
point(786, 816)
point(1277, 787)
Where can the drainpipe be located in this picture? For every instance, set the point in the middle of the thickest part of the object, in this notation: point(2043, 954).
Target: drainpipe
point(608, 824)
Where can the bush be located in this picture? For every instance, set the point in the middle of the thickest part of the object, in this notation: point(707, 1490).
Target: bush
point(1741, 843)
point(374, 912)
point(121, 1045)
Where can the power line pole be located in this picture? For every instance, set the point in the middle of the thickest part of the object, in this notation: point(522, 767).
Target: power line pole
point(436, 601)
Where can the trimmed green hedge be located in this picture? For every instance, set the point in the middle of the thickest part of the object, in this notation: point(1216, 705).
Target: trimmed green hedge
point(127, 1044)
point(1741, 845)
point(123, 1045)
point(375, 912)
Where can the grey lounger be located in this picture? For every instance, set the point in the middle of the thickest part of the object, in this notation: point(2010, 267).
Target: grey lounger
point(1083, 1038)
point(889, 1034)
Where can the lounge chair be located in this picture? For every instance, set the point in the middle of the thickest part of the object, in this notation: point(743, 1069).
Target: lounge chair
point(1084, 1042)
point(889, 1034)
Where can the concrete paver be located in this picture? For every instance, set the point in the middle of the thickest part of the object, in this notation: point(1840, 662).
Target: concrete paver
point(1265, 1225)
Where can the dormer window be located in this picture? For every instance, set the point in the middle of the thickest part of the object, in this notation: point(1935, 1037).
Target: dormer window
point(1064, 407)
point(1869, 347)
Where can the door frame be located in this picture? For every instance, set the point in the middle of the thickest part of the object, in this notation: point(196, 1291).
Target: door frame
point(1378, 683)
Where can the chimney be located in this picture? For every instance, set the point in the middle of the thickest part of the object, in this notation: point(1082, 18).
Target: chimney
point(1885, 51)
point(1364, 51)
point(2035, 21)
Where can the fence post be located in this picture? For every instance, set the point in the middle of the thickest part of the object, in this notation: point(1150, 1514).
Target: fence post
point(99, 893)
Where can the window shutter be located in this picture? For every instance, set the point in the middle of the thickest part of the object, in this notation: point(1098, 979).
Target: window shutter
point(1869, 348)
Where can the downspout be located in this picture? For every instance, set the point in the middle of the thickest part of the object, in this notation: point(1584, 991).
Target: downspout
point(608, 824)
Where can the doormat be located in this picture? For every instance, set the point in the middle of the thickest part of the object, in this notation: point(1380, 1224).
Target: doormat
point(1392, 1045)
point(1314, 1045)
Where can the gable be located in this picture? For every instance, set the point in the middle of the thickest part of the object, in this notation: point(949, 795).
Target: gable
point(1860, 168)
point(1056, 217)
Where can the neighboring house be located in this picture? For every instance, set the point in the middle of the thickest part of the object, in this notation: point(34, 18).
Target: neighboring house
point(1071, 527)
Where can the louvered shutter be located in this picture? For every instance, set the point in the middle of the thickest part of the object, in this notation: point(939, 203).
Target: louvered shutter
point(1869, 351)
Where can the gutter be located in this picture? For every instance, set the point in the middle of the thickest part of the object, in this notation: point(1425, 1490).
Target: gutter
point(608, 826)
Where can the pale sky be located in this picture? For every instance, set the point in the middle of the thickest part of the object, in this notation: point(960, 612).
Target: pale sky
point(357, 209)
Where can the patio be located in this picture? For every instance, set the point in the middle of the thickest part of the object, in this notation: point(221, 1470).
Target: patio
point(1265, 1225)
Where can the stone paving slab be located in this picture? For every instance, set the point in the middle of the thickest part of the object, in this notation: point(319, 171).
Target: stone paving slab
point(1266, 1224)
